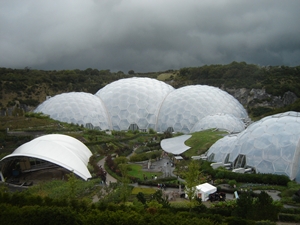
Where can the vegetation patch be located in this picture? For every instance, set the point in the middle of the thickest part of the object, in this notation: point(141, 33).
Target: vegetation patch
point(201, 141)
point(146, 191)
point(136, 170)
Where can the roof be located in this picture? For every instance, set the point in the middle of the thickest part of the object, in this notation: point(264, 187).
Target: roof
point(175, 145)
point(59, 149)
point(206, 187)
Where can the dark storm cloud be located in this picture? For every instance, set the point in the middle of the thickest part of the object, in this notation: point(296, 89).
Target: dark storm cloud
point(148, 35)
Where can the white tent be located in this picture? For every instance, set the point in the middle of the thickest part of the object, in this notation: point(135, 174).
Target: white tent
point(204, 190)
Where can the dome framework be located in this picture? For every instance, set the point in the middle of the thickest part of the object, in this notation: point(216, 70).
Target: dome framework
point(270, 145)
point(145, 103)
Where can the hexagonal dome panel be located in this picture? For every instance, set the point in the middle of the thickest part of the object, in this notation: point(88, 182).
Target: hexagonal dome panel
point(189, 104)
point(271, 145)
point(138, 99)
point(220, 121)
point(78, 108)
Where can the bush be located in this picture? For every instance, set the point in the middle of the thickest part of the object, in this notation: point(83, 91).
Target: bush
point(265, 222)
point(289, 217)
point(145, 156)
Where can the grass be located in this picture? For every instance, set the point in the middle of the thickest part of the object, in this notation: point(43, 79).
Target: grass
point(135, 170)
point(165, 76)
point(146, 191)
point(180, 204)
point(202, 141)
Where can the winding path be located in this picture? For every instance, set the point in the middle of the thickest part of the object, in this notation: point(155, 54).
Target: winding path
point(109, 178)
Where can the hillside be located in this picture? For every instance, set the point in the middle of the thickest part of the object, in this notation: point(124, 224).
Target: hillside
point(260, 89)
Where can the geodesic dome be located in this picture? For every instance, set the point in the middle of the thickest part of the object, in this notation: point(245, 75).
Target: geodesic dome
point(186, 106)
point(145, 103)
point(270, 145)
point(133, 103)
point(78, 108)
point(220, 121)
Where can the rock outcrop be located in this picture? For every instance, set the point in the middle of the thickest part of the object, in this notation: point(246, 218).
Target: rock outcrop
point(260, 98)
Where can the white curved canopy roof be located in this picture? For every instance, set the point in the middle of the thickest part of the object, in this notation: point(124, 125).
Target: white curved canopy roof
point(59, 149)
point(175, 145)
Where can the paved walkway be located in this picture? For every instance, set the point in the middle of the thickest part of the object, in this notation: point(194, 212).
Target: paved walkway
point(109, 178)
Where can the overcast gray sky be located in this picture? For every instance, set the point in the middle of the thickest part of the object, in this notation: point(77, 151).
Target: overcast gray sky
point(147, 35)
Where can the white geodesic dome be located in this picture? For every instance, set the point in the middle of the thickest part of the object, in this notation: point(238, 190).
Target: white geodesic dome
point(186, 106)
point(270, 145)
point(220, 151)
point(77, 108)
point(145, 103)
point(220, 121)
point(134, 102)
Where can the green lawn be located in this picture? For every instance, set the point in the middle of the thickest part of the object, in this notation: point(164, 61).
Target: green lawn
point(146, 191)
point(136, 171)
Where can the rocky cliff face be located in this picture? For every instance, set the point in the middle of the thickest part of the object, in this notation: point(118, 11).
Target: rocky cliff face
point(259, 98)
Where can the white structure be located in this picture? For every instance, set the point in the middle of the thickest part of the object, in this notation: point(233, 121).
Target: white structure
point(270, 145)
point(175, 145)
point(204, 190)
point(144, 103)
point(62, 150)
point(186, 106)
point(220, 121)
point(77, 108)
point(134, 102)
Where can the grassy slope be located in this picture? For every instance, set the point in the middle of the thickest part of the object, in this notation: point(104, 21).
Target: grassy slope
point(200, 142)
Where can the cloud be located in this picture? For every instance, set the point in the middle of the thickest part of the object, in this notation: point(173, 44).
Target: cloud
point(148, 35)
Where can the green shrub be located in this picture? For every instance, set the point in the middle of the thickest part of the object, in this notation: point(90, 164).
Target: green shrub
point(289, 217)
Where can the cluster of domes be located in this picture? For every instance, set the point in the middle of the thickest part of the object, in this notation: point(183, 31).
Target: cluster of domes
point(144, 103)
point(270, 145)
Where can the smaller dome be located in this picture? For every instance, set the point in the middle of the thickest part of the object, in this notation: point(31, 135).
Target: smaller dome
point(186, 106)
point(220, 121)
point(78, 108)
point(270, 145)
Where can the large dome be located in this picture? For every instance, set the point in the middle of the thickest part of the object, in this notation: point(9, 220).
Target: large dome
point(145, 103)
point(220, 121)
point(78, 108)
point(270, 145)
point(186, 106)
point(134, 102)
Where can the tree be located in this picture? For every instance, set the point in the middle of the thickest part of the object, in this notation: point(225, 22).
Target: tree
point(124, 189)
point(244, 208)
point(131, 72)
point(72, 186)
point(158, 197)
point(265, 209)
point(121, 160)
point(192, 180)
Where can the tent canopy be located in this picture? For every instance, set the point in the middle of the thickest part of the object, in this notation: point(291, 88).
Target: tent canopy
point(204, 190)
point(61, 150)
